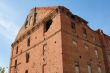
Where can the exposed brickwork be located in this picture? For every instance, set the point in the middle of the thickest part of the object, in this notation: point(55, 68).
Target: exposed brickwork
point(68, 42)
point(105, 41)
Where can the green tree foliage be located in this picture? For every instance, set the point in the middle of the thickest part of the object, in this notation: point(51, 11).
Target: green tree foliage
point(2, 70)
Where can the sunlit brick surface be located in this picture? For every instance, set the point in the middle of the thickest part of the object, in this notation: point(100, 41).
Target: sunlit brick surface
point(58, 46)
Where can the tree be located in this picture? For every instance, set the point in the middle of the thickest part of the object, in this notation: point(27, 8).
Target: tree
point(2, 70)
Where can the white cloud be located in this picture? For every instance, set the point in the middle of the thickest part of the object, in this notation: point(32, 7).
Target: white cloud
point(8, 28)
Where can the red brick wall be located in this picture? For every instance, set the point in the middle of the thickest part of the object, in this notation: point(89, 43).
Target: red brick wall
point(105, 40)
point(78, 53)
point(53, 52)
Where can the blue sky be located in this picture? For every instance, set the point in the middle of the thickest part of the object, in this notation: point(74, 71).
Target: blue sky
point(13, 14)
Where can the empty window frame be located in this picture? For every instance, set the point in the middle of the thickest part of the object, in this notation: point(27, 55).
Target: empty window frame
point(26, 71)
point(43, 68)
point(73, 26)
point(96, 53)
point(89, 68)
point(17, 50)
point(47, 25)
point(74, 42)
point(15, 64)
point(86, 47)
point(28, 41)
point(73, 17)
point(84, 32)
point(77, 67)
point(27, 57)
point(34, 21)
point(99, 69)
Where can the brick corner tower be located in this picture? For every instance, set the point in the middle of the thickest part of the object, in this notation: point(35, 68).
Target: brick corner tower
point(53, 40)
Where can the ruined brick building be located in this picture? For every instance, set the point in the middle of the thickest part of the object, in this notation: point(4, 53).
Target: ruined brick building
point(53, 40)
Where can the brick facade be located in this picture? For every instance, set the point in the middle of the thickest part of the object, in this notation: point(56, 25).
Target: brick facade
point(53, 40)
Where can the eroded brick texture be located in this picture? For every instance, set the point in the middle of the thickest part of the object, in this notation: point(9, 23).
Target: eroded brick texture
point(53, 40)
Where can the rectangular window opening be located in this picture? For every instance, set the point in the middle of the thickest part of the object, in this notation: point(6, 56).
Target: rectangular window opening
point(26, 71)
point(89, 68)
point(28, 41)
point(17, 50)
point(84, 33)
point(27, 57)
point(43, 68)
point(15, 64)
point(99, 69)
point(73, 25)
point(34, 22)
point(77, 67)
point(74, 42)
point(96, 53)
point(47, 25)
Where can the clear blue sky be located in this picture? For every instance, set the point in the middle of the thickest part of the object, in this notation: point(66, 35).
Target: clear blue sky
point(13, 14)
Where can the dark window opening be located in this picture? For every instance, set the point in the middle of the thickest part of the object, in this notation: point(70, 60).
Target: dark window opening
point(27, 57)
point(47, 25)
point(17, 50)
point(15, 64)
point(73, 25)
point(28, 41)
point(43, 51)
point(34, 22)
point(84, 31)
point(73, 17)
point(43, 68)
point(26, 71)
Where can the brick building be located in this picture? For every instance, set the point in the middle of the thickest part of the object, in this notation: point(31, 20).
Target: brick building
point(53, 40)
